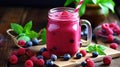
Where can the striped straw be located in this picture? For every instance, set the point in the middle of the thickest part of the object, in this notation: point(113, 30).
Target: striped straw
point(79, 5)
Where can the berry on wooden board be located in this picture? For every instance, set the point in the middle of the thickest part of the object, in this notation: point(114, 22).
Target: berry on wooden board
point(13, 59)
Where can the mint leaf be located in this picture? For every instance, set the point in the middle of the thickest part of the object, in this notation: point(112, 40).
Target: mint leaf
point(96, 48)
point(68, 2)
point(82, 9)
point(105, 10)
point(32, 34)
point(101, 47)
point(17, 28)
point(90, 48)
point(43, 36)
point(26, 38)
point(101, 52)
point(28, 26)
point(94, 1)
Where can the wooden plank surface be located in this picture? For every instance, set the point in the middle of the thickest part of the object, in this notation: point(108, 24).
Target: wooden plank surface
point(76, 62)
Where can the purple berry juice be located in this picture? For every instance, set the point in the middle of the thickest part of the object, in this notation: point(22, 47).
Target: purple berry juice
point(63, 31)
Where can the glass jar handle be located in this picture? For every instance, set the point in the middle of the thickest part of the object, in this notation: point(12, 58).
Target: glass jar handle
point(89, 35)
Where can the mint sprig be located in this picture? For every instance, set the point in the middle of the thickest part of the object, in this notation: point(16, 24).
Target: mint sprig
point(24, 31)
point(96, 48)
point(43, 36)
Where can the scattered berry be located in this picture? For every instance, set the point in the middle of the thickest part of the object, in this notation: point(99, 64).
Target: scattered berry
point(13, 59)
point(28, 63)
point(110, 38)
point(14, 53)
point(46, 55)
point(90, 63)
point(66, 56)
point(42, 50)
point(21, 51)
point(78, 55)
point(30, 53)
point(49, 63)
point(114, 46)
point(34, 59)
point(35, 41)
point(53, 57)
point(40, 62)
point(107, 60)
point(95, 54)
point(40, 57)
point(105, 26)
point(83, 52)
point(22, 43)
point(83, 64)
point(29, 43)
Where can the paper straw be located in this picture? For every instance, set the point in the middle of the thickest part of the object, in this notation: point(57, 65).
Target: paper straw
point(78, 6)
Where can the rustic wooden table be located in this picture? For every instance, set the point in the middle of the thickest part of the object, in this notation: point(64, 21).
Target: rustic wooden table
point(39, 16)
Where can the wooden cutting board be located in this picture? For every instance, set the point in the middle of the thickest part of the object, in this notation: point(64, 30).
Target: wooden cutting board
point(76, 62)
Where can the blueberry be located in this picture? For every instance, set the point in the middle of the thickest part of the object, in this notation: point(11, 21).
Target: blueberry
point(83, 64)
point(40, 57)
point(53, 57)
point(78, 55)
point(29, 43)
point(35, 41)
point(66, 56)
point(42, 50)
point(94, 54)
point(49, 63)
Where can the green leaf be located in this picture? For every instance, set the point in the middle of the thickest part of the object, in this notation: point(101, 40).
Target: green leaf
point(77, 1)
point(26, 38)
point(95, 1)
point(17, 28)
point(105, 10)
point(43, 36)
point(101, 52)
point(32, 34)
point(90, 48)
point(68, 2)
point(101, 47)
point(109, 5)
point(28, 26)
point(82, 9)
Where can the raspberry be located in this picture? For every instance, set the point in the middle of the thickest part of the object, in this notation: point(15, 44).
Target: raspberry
point(13, 59)
point(34, 59)
point(46, 55)
point(40, 62)
point(83, 52)
point(22, 43)
point(107, 60)
point(109, 31)
point(21, 51)
point(28, 63)
point(110, 38)
point(114, 46)
point(30, 53)
point(105, 26)
point(112, 25)
point(14, 53)
point(90, 63)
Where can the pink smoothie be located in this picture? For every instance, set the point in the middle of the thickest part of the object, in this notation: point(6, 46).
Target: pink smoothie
point(63, 33)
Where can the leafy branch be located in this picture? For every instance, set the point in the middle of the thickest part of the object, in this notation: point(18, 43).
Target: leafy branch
point(24, 31)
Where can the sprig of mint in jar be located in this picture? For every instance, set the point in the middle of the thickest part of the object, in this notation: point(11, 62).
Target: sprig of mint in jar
point(27, 37)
